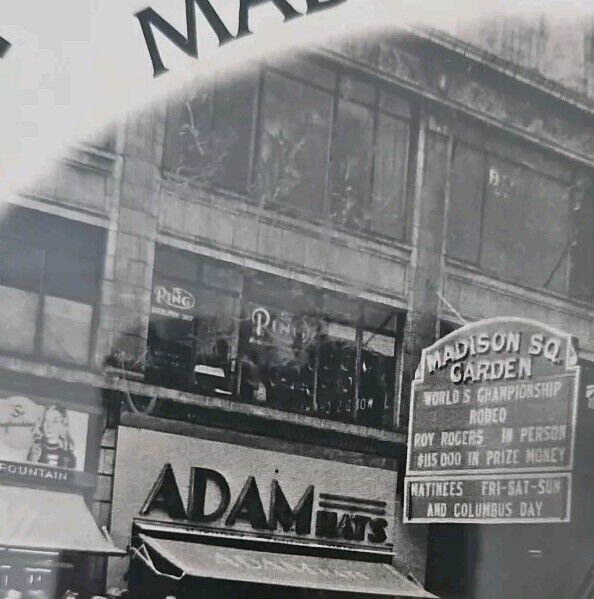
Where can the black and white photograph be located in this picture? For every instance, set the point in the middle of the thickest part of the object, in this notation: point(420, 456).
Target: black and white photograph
point(296, 299)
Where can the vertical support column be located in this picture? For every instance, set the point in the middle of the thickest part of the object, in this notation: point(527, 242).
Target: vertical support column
point(127, 283)
point(427, 261)
point(425, 283)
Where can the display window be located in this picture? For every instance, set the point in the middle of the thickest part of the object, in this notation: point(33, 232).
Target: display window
point(265, 340)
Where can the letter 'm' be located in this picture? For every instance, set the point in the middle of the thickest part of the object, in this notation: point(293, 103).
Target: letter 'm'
point(281, 513)
point(150, 19)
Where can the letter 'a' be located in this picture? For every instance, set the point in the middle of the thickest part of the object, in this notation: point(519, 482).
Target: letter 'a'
point(165, 496)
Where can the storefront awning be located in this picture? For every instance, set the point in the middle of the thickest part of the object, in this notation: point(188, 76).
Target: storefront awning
point(242, 565)
point(40, 520)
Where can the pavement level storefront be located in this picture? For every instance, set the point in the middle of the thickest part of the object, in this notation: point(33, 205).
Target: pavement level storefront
point(201, 516)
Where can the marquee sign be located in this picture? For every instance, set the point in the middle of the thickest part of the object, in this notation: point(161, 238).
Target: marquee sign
point(492, 398)
point(213, 487)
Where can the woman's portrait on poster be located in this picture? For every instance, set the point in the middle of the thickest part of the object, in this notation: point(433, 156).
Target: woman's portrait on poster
point(52, 442)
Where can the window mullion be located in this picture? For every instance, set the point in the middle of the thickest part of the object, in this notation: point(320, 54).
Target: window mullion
point(256, 131)
point(39, 324)
point(357, 377)
point(374, 146)
point(256, 126)
point(334, 117)
point(483, 200)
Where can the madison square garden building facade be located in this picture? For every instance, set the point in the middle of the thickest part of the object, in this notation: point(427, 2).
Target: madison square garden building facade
point(212, 317)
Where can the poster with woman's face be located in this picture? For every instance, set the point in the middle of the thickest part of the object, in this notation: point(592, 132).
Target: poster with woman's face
point(45, 433)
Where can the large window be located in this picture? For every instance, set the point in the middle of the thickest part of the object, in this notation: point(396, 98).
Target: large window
point(49, 285)
point(208, 133)
point(509, 214)
point(309, 351)
point(313, 140)
point(269, 341)
point(194, 322)
point(292, 161)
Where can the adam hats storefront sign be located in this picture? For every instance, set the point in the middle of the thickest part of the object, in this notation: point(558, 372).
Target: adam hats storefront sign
point(217, 487)
point(495, 397)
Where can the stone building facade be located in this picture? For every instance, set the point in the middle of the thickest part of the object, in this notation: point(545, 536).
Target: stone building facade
point(330, 213)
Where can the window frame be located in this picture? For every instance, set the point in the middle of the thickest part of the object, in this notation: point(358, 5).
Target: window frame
point(197, 283)
point(37, 353)
point(364, 318)
point(493, 147)
point(340, 72)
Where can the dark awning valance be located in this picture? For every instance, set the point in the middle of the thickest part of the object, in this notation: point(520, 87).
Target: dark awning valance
point(41, 520)
point(242, 565)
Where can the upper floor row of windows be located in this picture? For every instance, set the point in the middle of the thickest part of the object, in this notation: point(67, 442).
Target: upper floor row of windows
point(326, 144)
point(315, 142)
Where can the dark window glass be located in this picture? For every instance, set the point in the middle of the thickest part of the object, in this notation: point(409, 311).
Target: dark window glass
point(71, 277)
point(376, 386)
point(352, 159)
point(388, 206)
point(189, 145)
point(329, 144)
point(375, 394)
point(278, 343)
point(49, 285)
point(278, 357)
point(508, 217)
point(20, 265)
point(337, 371)
point(170, 350)
point(233, 124)
point(177, 264)
point(465, 210)
point(446, 327)
point(547, 238)
point(318, 353)
point(215, 328)
point(194, 323)
point(270, 341)
point(293, 144)
point(208, 133)
point(525, 226)
point(582, 225)
point(504, 243)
